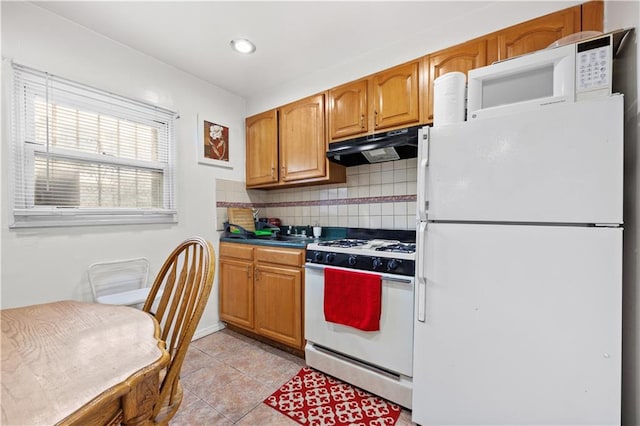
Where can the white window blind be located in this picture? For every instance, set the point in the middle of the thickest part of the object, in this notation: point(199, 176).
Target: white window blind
point(83, 156)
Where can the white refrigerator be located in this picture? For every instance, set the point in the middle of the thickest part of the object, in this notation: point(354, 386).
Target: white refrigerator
point(519, 268)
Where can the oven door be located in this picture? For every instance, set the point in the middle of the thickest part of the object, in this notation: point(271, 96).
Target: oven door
point(390, 348)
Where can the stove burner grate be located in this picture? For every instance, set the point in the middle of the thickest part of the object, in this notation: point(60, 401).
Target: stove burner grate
point(343, 243)
point(398, 248)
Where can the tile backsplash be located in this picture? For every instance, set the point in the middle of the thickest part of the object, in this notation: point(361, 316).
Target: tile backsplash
point(379, 195)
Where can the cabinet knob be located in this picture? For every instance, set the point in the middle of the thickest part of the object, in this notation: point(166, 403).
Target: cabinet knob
point(362, 121)
point(273, 170)
point(375, 116)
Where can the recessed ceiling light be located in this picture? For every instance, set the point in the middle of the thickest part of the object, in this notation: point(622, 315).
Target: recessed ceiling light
point(242, 45)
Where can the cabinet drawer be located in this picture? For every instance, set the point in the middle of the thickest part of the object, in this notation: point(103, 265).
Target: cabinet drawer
point(239, 251)
point(280, 256)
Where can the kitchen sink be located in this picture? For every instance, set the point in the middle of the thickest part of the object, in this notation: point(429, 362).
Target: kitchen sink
point(294, 237)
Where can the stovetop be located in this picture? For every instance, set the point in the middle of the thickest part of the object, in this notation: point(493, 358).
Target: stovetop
point(375, 255)
point(343, 242)
point(375, 247)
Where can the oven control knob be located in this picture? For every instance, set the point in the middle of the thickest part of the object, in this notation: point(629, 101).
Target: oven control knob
point(329, 257)
point(317, 256)
point(352, 260)
point(377, 262)
point(392, 264)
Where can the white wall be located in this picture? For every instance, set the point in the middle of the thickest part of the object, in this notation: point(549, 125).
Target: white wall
point(623, 14)
point(47, 264)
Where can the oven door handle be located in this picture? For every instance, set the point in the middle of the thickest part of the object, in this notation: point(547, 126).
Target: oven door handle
point(314, 266)
point(384, 277)
point(398, 280)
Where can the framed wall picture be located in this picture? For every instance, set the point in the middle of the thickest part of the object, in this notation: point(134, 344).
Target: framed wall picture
point(213, 143)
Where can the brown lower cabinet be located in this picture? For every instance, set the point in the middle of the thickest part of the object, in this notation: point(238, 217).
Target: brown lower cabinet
point(261, 291)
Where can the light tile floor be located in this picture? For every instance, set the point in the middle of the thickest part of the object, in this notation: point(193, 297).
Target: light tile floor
point(226, 376)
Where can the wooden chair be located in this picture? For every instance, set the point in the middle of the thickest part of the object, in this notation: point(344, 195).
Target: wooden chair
point(185, 281)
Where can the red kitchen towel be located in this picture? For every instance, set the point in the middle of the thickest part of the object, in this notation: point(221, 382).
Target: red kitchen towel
point(352, 298)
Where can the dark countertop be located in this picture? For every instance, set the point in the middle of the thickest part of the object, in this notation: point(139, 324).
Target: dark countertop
point(269, 242)
point(328, 233)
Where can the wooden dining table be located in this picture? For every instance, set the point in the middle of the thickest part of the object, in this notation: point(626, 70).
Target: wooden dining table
point(82, 363)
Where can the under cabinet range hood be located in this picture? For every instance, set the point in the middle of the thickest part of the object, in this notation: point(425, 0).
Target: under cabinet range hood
point(377, 148)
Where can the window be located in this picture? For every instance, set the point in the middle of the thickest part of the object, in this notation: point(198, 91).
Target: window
point(83, 156)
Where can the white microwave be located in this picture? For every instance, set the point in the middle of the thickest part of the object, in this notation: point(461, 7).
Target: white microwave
point(568, 73)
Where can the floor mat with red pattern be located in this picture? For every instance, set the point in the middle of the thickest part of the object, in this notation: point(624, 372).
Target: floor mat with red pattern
point(315, 399)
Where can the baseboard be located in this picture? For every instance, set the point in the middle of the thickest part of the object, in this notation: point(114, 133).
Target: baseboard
point(208, 330)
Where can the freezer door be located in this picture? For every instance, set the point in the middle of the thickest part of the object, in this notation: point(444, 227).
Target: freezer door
point(560, 163)
point(522, 326)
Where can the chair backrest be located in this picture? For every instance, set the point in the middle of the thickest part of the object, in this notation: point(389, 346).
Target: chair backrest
point(118, 276)
point(185, 281)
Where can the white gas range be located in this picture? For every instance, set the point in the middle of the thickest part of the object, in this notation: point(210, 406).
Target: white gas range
point(378, 361)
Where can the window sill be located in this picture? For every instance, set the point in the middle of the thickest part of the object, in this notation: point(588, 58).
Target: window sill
point(46, 219)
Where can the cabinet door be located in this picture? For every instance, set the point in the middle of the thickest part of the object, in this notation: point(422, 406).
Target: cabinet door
point(348, 105)
point(462, 58)
point(592, 16)
point(236, 292)
point(262, 148)
point(395, 96)
point(538, 33)
point(303, 142)
point(278, 308)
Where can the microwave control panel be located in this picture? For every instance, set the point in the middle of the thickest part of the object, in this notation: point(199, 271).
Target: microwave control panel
point(593, 68)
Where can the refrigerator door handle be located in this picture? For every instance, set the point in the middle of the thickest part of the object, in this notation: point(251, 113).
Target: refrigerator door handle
point(423, 164)
point(421, 293)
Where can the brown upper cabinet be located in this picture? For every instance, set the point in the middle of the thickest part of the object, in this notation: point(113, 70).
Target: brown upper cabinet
point(385, 100)
point(593, 16)
point(395, 96)
point(288, 146)
point(538, 33)
point(302, 140)
point(349, 109)
point(262, 148)
point(462, 58)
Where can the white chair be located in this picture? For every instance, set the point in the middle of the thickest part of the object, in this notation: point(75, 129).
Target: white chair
point(120, 282)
